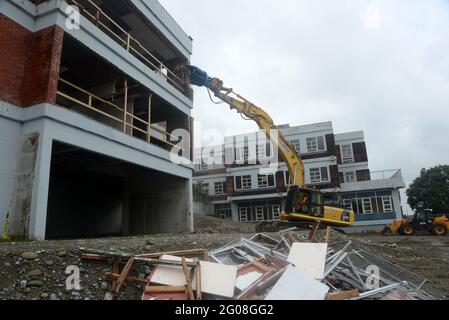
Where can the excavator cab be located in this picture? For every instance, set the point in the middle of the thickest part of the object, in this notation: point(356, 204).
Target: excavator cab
point(305, 201)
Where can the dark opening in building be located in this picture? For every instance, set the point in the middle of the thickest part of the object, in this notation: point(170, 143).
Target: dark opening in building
point(92, 195)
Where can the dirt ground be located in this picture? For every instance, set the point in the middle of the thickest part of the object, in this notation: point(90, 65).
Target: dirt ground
point(43, 276)
point(425, 255)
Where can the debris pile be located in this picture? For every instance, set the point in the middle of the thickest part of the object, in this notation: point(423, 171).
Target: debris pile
point(284, 266)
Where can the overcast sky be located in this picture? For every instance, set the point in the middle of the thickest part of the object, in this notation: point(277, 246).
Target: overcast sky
point(377, 66)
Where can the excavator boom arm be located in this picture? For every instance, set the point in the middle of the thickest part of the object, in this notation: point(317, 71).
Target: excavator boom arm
point(257, 114)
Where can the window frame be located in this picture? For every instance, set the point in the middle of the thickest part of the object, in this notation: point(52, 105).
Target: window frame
point(389, 198)
point(316, 171)
point(267, 177)
point(242, 154)
point(345, 177)
point(296, 144)
point(313, 145)
point(276, 216)
point(366, 201)
point(243, 183)
point(221, 184)
point(349, 157)
point(246, 209)
point(258, 214)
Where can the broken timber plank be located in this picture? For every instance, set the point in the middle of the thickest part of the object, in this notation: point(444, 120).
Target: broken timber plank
point(343, 295)
point(185, 253)
point(115, 276)
point(199, 294)
point(125, 272)
point(314, 229)
point(189, 290)
point(164, 289)
point(164, 262)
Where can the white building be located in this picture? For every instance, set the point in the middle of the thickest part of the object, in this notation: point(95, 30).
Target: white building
point(335, 163)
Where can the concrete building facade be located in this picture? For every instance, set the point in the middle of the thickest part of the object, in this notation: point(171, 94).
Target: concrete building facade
point(335, 163)
point(95, 119)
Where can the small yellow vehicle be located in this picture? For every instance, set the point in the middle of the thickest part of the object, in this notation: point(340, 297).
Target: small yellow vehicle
point(436, 224)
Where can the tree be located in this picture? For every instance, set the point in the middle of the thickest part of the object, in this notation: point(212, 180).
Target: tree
point(430, 189)
point(199, 194)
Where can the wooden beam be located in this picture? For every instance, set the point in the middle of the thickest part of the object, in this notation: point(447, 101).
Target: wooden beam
point(125, 272)
point(199, 293)
point(164, 289)
point(345, 295)
point(115, 276)
point(189, 290)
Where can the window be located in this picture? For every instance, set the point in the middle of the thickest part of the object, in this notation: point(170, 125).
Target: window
point(243, 183)
point(265, 181)
point(263, 150)
point(367, 206)
point(319, 175)
point(315, 175)
point(387, 204)
point(242, 153)
point(296, 145)
point(219, 188)
point(349, 177)
point(348, 204)
point(243, 214)
point(276, 209)
point(315, 144)
point(324, 175)
point(370, 202)
point(259, 213)
point(346, 154)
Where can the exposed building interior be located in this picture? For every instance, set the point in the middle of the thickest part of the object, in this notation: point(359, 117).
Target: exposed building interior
point(125, 24)
point(93, 195)
point(90, 85)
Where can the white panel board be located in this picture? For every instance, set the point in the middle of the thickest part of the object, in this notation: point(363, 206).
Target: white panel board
point(216, 279)
point(244, 281)
point(170, 275)
point(309, 258)
point(295, 285)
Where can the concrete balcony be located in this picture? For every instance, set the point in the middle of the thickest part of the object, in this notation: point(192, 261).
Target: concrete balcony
point(379, 180)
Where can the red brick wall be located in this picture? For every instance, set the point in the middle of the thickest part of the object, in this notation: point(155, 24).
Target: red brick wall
point(29, 63)
point(14, 41)
point(42, 70)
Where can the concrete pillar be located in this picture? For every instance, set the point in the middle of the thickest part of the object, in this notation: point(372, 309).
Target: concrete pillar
point(39, 200)
point(396, 198)
point(235, 211)
point(190, 218)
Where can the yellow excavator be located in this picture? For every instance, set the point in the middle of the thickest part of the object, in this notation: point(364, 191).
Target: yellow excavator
point(303, 205)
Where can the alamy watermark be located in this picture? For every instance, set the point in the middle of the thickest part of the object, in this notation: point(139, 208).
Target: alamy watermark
point(73, 281)
point(217, 150)
point(73, 18)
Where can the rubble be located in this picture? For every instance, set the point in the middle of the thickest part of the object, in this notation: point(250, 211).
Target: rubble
point(287, 265)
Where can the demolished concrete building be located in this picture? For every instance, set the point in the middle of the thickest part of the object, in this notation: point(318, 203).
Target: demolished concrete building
point(91, 92)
